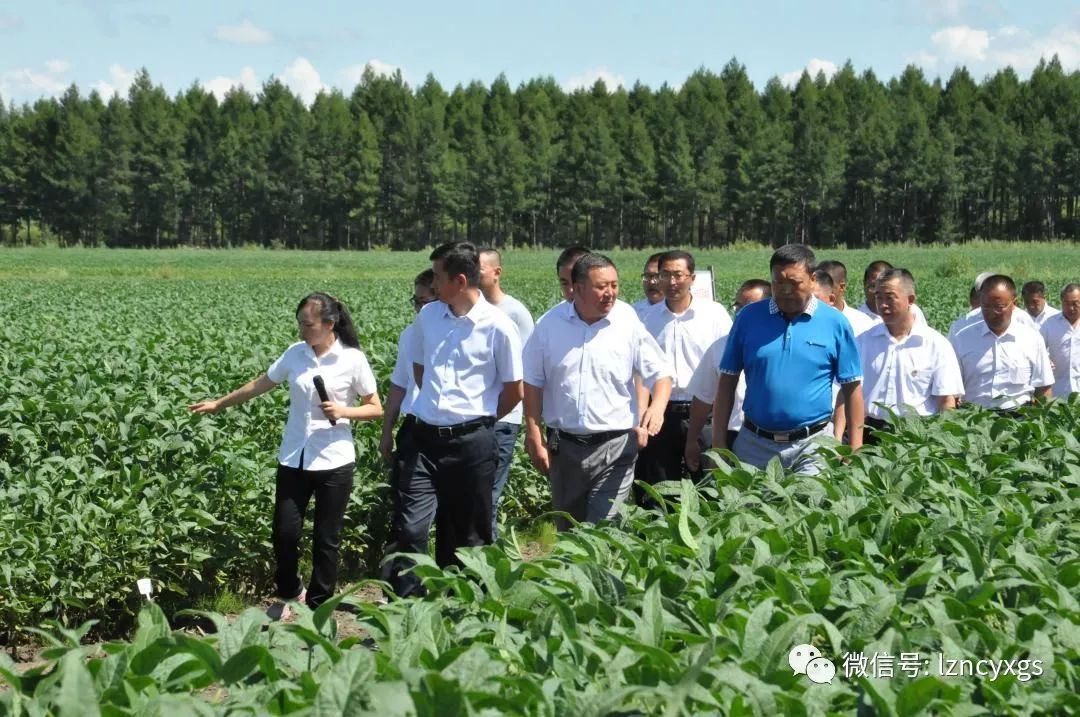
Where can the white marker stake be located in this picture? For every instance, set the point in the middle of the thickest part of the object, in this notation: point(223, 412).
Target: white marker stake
point(145, 587)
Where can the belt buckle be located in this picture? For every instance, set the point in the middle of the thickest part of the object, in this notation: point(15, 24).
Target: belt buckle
point(782, 437)
point(445, 431)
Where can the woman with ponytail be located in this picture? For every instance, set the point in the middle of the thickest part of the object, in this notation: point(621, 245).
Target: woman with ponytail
point(317, 454)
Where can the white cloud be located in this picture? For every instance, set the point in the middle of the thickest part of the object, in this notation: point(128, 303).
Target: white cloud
point(1010, 46)
point(813, 67)
point(588, 78)
point(30, 83)
point(220, 85)
point(923, 59)
point(350, 76)
point(120, 79)
point(1023, 52)
point(57, 67)
point(246, 33)
point(300, 76)
point(1011, 31)
point(303, 79)
point(961, 43)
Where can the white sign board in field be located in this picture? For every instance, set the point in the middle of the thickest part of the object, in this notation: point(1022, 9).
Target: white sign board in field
point(703, 284)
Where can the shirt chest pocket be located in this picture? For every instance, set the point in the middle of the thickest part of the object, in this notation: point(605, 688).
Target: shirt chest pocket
point(1020, 373)
point(335, 383)
point(921, 376)
point(617, 363)
point(819, 352)
point(1017, 367)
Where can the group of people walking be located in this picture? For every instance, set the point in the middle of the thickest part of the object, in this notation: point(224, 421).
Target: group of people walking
point(610, 393)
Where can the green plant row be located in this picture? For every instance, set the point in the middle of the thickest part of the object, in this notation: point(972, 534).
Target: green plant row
point(957, 536)
point(104, 475)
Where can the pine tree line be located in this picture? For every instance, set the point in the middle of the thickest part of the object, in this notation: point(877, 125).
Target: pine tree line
point(849, 159)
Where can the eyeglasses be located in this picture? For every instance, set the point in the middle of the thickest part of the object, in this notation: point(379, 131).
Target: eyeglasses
point(650, 276)
point(676, 275)
point(420, 302)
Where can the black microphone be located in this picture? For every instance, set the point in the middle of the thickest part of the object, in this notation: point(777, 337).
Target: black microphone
point(321, 388)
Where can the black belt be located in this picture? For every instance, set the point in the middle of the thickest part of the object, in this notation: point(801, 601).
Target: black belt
point(591, 439)
point(678, 408)
point(458, 429)
point(795, 434)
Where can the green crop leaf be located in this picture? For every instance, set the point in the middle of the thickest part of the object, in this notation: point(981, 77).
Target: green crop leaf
point(77, 695)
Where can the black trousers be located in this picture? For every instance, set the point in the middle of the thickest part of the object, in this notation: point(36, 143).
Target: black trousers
point(662, 457)
point(871, 428)
point(462, 471)
point(294, 490)
point(414, 511)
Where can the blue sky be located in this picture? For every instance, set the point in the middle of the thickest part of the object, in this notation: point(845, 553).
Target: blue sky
point(45, 45)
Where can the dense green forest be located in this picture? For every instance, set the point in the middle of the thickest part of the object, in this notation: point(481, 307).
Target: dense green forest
point(843, 160)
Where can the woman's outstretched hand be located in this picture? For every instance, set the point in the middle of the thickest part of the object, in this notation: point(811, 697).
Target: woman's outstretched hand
point(205, 407)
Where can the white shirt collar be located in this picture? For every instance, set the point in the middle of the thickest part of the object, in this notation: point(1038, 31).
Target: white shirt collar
point(1008, 331)
point(570, 314)
point(881, 328)
point(479, 309)
point(689, 309)
point(335, 349)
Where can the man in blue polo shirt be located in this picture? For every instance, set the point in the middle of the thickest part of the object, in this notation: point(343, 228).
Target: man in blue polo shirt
point(792, 348)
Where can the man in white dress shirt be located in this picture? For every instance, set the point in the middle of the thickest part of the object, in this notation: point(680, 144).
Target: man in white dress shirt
point(860, 322)
point(707, 377)
point(467, 362)
point(908, 367)
point(870, 276)
point(414, 501)
point(506, 429)
point(751, 291)
point(1062, 335)
point(824, 289)
point(684, 327)
point(1033, 294)
point(650, 285)
point(564, 265)
point(1004, 364)
point(975, 314)
point(580, 365)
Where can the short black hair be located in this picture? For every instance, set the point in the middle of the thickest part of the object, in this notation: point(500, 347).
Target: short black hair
point(676, 255)
point(898, 274)
point(1069, 288)
point(875, 267)
point(836, 270)
point(824, 279)
point(586, 263)
point(1034, 288)
point(490, 250)
point(995, 281)
point(459, 258)
point(750, 284)
point(654, 259)
point(793, 254)
point(426, 279)
point(569, 255)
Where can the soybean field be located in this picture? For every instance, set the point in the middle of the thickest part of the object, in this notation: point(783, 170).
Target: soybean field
point(956, 539)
